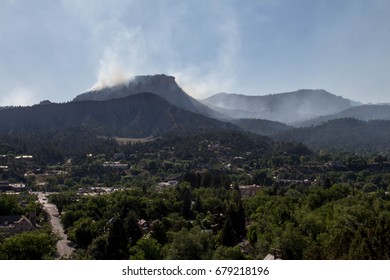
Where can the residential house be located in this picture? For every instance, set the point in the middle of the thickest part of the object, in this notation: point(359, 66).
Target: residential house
point(17, 223)
point(115, 165)
point(119, 156)
point(25, 160)
point(4, 168)
point(145, 225)
point(163, 185)
point(275, 254)
point(5, 186)
point(249, 190)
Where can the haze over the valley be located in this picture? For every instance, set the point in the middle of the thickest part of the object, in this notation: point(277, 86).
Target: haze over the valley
point(55, 50)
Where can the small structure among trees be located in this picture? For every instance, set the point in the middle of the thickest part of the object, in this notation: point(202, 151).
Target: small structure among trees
point(16, 223)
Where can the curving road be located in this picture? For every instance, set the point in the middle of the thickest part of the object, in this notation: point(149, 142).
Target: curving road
point(64, 248)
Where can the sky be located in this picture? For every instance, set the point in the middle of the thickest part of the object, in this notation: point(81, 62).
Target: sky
point(56, 49)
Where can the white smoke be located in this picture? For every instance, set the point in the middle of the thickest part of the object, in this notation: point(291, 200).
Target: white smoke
point(119, 56)
point(219, 74)
point(111, 73)
point(128, 50)
point(21, 96)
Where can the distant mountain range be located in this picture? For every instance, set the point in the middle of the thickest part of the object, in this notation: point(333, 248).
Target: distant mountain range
point(139, 115)
point(153, 105)
point(289, 107)
point(327, 121)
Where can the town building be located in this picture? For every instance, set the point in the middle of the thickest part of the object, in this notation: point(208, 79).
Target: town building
point(5, 186)
point(115, 165)
point(249, 190)
point(17, 223)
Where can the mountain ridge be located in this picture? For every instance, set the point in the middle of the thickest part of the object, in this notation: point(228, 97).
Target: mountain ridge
point(261, 127)
point(288, 107)
point(139, 115)
point(365, 112)
point(347, 134)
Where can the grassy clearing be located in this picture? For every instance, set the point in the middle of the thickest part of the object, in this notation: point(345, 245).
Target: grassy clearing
point(124, 141)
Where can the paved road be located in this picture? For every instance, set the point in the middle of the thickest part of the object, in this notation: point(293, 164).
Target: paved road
point(64, 248)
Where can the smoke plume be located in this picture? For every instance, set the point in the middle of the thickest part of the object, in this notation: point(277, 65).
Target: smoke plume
point(111, 74)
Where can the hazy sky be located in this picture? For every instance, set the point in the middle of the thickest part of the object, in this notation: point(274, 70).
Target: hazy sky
point(53, 49)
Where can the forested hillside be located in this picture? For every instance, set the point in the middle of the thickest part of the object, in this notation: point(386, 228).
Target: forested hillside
point(140, 115)
point(261, 127)
point(343, 135)
point(363, 113)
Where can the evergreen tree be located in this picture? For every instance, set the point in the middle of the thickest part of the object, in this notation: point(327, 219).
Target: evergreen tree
point(227, 234)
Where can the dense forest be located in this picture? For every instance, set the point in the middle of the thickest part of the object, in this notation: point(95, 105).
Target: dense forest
point(182, 196)
point(346, 134)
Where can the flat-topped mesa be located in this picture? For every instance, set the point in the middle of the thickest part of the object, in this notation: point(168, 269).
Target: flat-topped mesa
point(158, 80)
point(142, 83)
point(158, 84)
point(162, 85)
